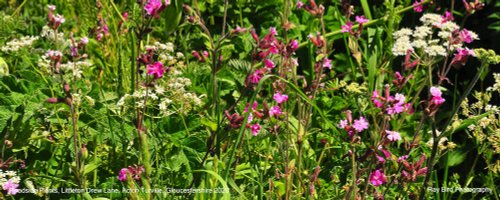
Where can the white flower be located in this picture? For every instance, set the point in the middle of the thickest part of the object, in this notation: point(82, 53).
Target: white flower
point(419, 43)
point(435, 50)
point(402, 46)
point(404, 32)
point(422, 32)
point(16, 44)
point(431, 19)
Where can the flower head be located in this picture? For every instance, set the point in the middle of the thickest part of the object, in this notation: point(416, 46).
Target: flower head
point(360, 124)
point(393, 135)
point(417, 6)
point(122, 176)
point(154, 7)
point(436, 96)
point(361, 19)
point(275, 111)
point(269, 63)
point(255, 129)
point(10, 187)
point(347, 27)
point(377, 178)
point(280, 98)
point(156, 69)
point(327, 63)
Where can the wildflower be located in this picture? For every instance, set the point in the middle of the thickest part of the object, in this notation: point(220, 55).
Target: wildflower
point(461, 56)
point(84, 40)
point(401, 158)
point(300, 4)
point(327, 63)
point(448, 17)
point(436, 96)
point(343, 124)
point(375, 97)
point(156, 69)
point(275, 111)
point(294, 45)
point(361, 19)
point(255, 77)
point(402, 46)
point(280, 98)
point(393, 135)
point(10, 187)
point(273, 31)
point(154, 7)
point(468, 36)
point(377, 178)
point(269, 64)
point(360, 124)
point(347, 27)
point(418, 6)
point(122, 176)
point(255, 129)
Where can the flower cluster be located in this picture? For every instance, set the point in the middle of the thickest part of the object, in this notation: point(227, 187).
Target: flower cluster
point(134, 172)
point(450, 37)
point(347, 28)
point(16, 44)
point(266, 47)
point(359, 125)
point(391, 104)
point(54, 20)
point(155, 7)
point(9, 182)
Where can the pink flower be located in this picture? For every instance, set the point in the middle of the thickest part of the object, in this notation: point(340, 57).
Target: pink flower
point(417, 6)
point(154, 7)
point(361, 19)
point(300, 4)
point(255, 77)
point(467, 36)
point(294, 45)
point(436, 96)
point(461, 56)
point(273, 31)
point(275, 111)
point(375, 97)
point(327, 63)
point(269, 63)
point(280, 98)
point(401, 158)
point(347, 27)
point(343, 124)
point(448, 17)
point(436, 92)
point(122, 176)
point(393, 135)
point(250, 118)
point(156, 69)
point(84, 40)
point(255, 129)
point(377, 178)
point(11, 187)
point(360, 124)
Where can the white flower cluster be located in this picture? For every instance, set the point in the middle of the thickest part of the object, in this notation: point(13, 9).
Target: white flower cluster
point(423, 37)
point(74, 69)
point(496, 86)
point(166, 54)
point(52, 35)
point(16, 44)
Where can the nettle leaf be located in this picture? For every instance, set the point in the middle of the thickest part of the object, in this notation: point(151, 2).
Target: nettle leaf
point(455, 158)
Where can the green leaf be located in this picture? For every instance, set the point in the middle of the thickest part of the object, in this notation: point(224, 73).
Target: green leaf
point(210, 124)
point(4, 68)
point(455, 158)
